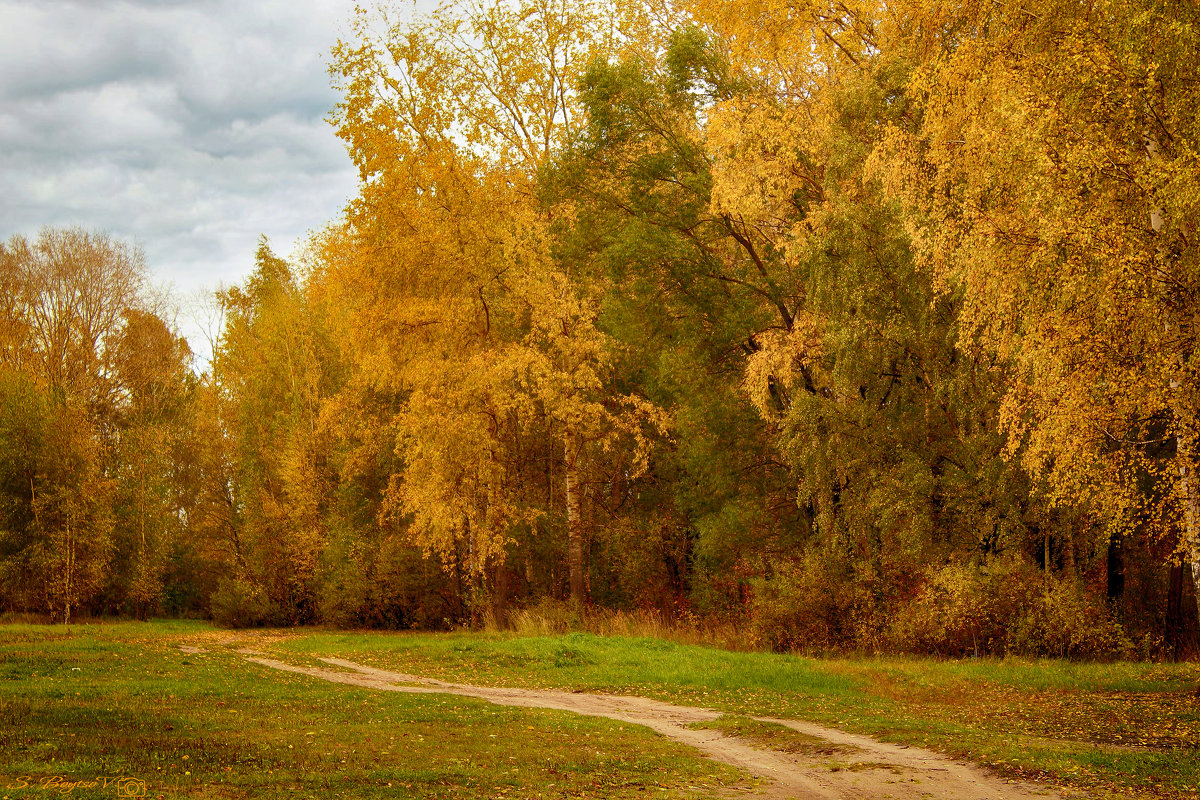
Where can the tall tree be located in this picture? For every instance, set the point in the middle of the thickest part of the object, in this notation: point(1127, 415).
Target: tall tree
point(449, 119)
point(1054, 175)
point(687, 291)
point(67, 294)
point(272, 368)
point(153, 367)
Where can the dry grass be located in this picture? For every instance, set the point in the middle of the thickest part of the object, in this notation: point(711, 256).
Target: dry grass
point(555, 618)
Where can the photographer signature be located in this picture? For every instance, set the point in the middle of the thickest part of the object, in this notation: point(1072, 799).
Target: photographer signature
point(122, 785)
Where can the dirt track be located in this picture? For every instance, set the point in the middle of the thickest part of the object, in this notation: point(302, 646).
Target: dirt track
point(859, 767)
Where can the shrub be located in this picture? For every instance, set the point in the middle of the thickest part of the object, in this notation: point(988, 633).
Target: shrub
point(813, 605)
point(1065, 622)
point(1005, 607)
point(240, 603)
point(964, 608)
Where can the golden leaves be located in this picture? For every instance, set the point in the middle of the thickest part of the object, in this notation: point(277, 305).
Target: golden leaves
point(490, 346)
point(781, 354)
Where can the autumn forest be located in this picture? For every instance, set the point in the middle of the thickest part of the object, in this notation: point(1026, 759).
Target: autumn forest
point(852, 325)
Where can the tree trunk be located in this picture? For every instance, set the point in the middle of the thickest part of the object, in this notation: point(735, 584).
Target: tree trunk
point(1069, 554)
point(1175, 610)
point(1046, 558)
point(70, 577)
point(1189, 489)
point(500, 595)
point(1115, 568)
point(574, 519)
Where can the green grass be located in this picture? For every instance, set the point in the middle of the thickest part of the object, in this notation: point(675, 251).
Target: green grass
point(122, 699)
point(774, 736)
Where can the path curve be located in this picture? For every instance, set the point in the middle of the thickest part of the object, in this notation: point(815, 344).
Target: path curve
point(862, 769)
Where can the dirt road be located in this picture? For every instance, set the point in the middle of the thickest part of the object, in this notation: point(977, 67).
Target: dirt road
point(851, 766)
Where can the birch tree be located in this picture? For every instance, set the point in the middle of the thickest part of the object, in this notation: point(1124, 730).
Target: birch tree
point(449, 119)
point(1055, 179)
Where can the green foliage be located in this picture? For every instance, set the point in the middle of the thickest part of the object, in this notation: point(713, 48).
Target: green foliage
point(273, 366)
point(96, 396)
point(56, 535)
point(152, 444)
point(385, 583)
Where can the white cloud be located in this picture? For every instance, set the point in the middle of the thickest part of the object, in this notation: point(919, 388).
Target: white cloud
point(189, 126)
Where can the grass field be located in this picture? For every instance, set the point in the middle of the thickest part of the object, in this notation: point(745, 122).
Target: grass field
point(122, 701)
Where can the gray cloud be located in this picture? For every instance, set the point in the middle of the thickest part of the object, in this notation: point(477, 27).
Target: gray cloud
point(189, 126)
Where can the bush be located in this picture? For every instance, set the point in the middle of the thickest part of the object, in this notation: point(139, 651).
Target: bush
point(1005, 607)
point(964, 608)
point(384, 584)
point(814, 605)
point(1064, 622)
point(240, 603)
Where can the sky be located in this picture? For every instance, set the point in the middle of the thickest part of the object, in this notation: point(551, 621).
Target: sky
point(189, 127)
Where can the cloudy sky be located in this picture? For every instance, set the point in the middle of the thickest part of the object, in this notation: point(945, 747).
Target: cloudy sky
point(188, 126)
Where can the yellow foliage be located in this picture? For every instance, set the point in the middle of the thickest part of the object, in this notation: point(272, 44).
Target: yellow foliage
point(776, 365)
point(449, 292)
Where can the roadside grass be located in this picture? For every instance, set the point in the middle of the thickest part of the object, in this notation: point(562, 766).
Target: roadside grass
point(1121, 728)
point(121, 700)
point(773, 735)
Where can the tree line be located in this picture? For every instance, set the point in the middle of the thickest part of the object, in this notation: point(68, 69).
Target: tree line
point(860, 325)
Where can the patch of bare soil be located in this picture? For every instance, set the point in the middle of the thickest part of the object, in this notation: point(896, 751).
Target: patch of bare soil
point(854, 766)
